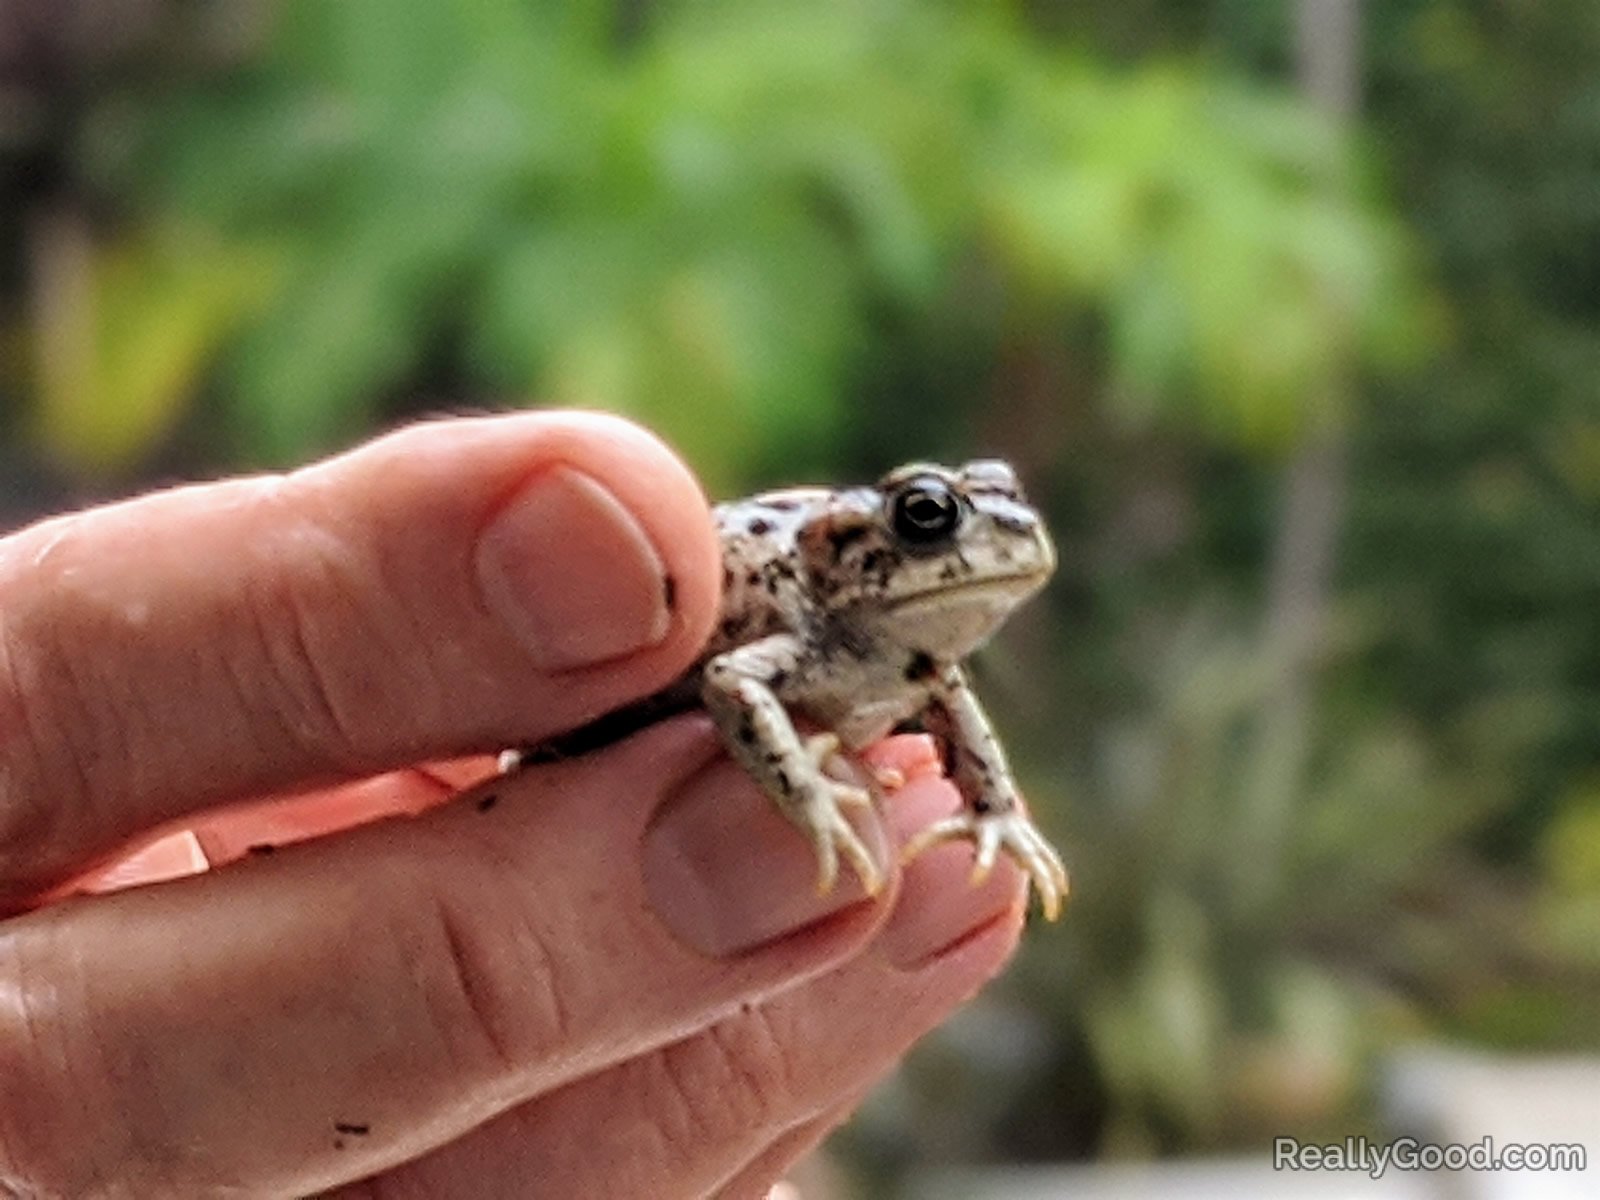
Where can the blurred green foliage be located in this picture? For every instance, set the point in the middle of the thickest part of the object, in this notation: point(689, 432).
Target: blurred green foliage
point(1105, 239)
point(125, 331)
point(696, 224)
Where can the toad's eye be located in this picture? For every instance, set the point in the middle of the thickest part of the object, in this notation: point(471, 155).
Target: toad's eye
point(925, 512)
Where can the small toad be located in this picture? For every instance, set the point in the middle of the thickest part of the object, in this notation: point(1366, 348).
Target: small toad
point(852, 608)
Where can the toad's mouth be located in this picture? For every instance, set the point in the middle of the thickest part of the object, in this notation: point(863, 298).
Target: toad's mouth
point(1018, 584)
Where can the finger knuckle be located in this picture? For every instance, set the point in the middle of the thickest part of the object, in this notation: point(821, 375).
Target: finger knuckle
point(499, 992)
point(294, 620)
point(50, 1142)
point(737, 1077)
point(54, 739)
point(341, 698)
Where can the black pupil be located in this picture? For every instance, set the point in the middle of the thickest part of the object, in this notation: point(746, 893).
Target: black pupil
point(926, 512)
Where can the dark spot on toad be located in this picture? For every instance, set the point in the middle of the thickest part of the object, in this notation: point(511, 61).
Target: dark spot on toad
point(881, 564)
point(783, 782)
point(747, 732)
point(753, 578)
point(981, 806)
point(920, 667)
point(779, 678)
point(843, 538)
point(488, 800)
point(841, 637)
point(760, 526)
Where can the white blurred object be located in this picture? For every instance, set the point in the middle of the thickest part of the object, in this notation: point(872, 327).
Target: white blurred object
point(1435, 1095)
point(1193, 1179)
point(1444, 1095)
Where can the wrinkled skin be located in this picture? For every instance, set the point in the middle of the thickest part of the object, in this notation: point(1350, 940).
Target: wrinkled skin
point(612, 975)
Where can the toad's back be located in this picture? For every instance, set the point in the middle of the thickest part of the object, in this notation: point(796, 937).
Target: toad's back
point(763, 591)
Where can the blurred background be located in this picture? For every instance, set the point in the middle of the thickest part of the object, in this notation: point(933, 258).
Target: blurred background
point(1288, 311)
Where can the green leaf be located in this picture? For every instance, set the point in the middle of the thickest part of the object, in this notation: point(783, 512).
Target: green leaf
point(133, 329)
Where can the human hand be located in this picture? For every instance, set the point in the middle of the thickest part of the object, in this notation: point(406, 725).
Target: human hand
point(609, 976)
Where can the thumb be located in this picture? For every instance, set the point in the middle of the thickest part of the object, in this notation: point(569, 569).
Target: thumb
point(455, 587)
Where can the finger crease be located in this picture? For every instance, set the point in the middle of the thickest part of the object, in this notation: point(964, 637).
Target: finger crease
point(523, 1020)
point(306, 710)
point(55, 777)
point(471, 987)
point(724, 1083)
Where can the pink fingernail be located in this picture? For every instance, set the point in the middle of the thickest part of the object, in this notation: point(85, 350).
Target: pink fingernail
point(571, 570)
point(727, 873)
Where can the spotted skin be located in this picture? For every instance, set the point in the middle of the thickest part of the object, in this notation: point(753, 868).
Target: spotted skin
point(852, 609)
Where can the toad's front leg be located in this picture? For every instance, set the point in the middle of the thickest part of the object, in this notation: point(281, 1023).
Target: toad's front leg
point(994, 818)
point(739, 689)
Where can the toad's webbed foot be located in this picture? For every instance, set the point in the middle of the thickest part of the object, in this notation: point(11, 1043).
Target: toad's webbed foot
point(1011, 831)
point(822, 815)
point(819, 812)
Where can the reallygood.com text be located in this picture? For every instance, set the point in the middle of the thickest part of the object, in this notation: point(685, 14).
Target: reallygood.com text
point(1410, 1154)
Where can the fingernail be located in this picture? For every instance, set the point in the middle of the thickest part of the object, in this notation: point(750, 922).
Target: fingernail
point(727, 873)
point(938, 907)
point(567, 566)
